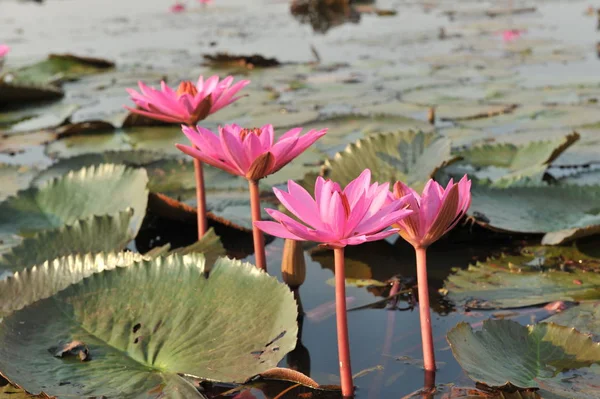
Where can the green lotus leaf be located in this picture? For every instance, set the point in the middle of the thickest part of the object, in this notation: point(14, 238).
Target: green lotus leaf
point(410, 156)
point(57, 68)
point(14, 178)
point(506, 354)
point(505, 162)
point(229, 326)
point(46, 279)
point(532, 278)
point(92, 235)
point(531, 208)
point(97, 190)
point(63, 166)
point(585, 318)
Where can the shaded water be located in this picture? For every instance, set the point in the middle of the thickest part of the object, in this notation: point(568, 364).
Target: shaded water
point(388, 55)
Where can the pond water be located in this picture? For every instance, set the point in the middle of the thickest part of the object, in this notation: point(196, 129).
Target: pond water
point(397, 65)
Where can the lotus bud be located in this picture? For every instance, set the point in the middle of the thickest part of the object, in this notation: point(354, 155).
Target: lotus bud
point(293, 266)
point(431, 115)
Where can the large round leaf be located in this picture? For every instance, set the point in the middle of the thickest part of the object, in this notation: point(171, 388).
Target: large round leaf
point(410, 156)
point(532, 278)
point(567, 212)
point(145, 323)
point(105, 189)
point(46, 279)
point(92, 235)
point(585, 318)
point(505, 353)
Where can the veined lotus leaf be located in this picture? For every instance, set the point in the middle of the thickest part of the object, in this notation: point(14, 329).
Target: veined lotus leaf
point(532, 278)
point(58, 68)
point(100, 190)
point(585, 318)
point(14, 178)
point(347, 128)
point(410, 156)
point(505, 353)
point(229, 326)
point(505, 162)
point(540, 208)
point(46, 279)
point(66, 165)
point(92, 235)
point(44, 118)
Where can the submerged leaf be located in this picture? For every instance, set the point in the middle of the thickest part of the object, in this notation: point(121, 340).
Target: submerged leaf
point(229, 326)
point(92, 235)
point(532, 278)
point(507, 354)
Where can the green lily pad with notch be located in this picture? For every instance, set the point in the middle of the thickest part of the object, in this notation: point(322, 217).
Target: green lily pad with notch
point(504, 163)
point(585, 318)
point(409, 156)
point(92, 235)
point(199, 326)
point(58, 68)
point(101, 190)
point(506, 354)
point(50, 277)
point(531, 278)
point(563, 212)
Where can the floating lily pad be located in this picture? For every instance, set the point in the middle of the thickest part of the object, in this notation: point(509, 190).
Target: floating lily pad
point(11, 94)
point(585, 318)
point(410, 156)
point(135, 352)
point(505, 162)
point(17, 143)
point(12, 392)
point(64, 166)
point(14, 178)
point(57, 68)
point(532, 278)
point(540, 209)
point(48, 278)
point(46, 118)
point(101, 190)
point(507, 354)
point(92, 235)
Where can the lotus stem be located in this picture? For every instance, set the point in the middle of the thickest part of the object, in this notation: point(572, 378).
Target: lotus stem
point(342, 324)
point(257, 234)
point(424, 312)
point(200, 198)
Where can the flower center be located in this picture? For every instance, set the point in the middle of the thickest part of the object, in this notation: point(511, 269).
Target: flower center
point(245, 132)
point(187, 87)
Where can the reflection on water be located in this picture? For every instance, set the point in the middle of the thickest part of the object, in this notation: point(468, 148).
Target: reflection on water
point(323, 15)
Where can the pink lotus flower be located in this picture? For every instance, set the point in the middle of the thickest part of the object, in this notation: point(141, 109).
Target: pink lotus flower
point(337, 217)
point(435, 212)
point(251, 153)
point(205, 1)
point(188, 104)
point(4, 49)
point(177, 7)
point(511, 35)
